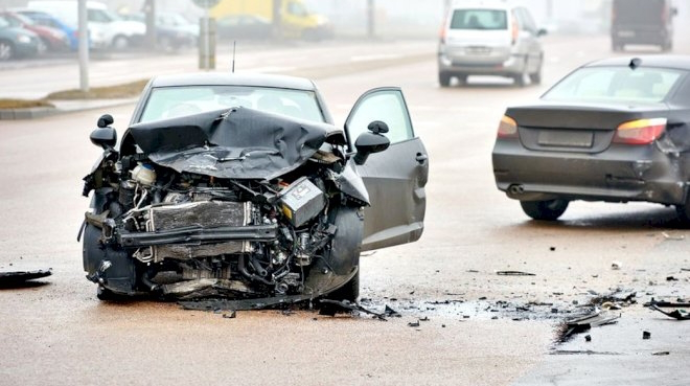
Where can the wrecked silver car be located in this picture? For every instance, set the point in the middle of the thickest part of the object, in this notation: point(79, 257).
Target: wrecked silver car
point(615, 130)
point(241, 187)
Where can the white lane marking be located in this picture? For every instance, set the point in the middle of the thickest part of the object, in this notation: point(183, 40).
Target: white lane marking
point(368, 58)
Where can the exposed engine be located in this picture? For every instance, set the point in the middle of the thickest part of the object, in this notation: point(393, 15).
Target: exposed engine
point(191, 235)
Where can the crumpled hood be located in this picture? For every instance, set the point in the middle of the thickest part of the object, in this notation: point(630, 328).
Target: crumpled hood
point(239, 143)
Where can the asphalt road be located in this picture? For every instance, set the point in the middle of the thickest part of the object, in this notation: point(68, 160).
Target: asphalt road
point(60, 334)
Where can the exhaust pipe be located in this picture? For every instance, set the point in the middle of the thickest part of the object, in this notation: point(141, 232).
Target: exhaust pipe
point(516, 190)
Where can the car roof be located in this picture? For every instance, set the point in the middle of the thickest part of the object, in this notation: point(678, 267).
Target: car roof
point(481, 4)
point(233, 79)
point(677, 62)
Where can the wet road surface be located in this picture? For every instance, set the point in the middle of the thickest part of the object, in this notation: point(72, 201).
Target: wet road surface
point(60, 332)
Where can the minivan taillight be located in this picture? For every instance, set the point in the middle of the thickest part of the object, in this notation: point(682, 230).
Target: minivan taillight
point(508, 128)
point(640, 132)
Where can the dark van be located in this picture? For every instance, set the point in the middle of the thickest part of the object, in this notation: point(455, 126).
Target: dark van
point(642, 22)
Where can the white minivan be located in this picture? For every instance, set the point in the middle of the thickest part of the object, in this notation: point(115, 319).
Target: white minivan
point(489, 38)
point(106, 29)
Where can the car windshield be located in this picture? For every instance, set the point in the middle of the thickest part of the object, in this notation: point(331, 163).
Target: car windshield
point(3, 23)
point(479, 19)
point(174, 102)
point(24, 19)
point(615, 84)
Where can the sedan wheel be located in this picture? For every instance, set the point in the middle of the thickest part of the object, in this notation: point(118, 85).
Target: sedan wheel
point(42, 47)
point(545, 210)
point(6, 50)
point(120, 42)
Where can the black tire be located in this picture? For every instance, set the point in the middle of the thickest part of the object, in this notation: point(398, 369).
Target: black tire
point(349, 291)
point(536, 77)
point(6, 50)
point(444, 79)
point(105, 295)
point(521, 78)
point(683, 213)
point(545, 210)
point(120, 42)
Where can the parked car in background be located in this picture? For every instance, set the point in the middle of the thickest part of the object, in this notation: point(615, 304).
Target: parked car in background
point(16, 42)
point(251, 27)
point(48, 20)
point(168, 38)
point(106, 29)
point(178, 22)
point(642, 22)
point(490, 38)
point(297, 22)
point(51, 39)
point(616, 130)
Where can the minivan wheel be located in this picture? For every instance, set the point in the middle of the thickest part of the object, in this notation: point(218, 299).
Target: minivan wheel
point(545, 210)
point(444, 79)
point(349, 291)
point(536, 77)
point(6, 50)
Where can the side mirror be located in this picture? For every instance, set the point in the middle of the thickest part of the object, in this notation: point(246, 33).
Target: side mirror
point(105, 121)
point(105, 136)
point(370, 143)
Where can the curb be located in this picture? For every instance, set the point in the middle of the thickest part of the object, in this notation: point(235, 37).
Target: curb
point(42, 112)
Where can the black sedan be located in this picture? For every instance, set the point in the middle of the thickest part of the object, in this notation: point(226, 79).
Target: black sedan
point(614, 130)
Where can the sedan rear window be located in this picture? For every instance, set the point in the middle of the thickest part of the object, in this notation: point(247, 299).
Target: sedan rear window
point(479, 19)
point(615, 84)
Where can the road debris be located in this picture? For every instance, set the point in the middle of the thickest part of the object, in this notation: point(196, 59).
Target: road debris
point(514, 273)
point(616, 265)
point(413, 324)
point(663, 304)
point(389, 312)
point(585, 323)
point(588, 338)
point(22, 278)
point(662, 353)
point(646, 335)
point(231, 315)
point(333, 306)
point(677, 314)
point(668, 236)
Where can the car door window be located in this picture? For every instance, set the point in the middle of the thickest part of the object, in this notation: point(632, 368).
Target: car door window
point(387, 105)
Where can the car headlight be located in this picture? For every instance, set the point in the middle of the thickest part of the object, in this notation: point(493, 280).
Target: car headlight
point(26, 39)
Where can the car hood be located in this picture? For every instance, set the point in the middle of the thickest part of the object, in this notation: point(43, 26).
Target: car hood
point(239, 143)
point(572, 115)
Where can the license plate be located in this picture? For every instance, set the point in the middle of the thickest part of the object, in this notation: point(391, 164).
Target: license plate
point(626, 34)
point(478, 50)
point(566, 138)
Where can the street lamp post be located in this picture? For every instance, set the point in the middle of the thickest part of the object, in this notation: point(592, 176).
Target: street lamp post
point(83, 47)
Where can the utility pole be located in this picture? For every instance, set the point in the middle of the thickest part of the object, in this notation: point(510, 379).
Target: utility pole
point(277, 18)
point(371, 18)
point(150, 12)
point(83, 47)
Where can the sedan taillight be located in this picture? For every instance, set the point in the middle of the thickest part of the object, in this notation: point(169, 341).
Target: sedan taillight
point(640, 132)
point(507, 128)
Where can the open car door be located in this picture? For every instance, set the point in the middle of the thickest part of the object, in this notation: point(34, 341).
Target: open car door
point(394, 178)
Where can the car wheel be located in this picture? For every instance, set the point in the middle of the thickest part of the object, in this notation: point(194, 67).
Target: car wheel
point(120, 42)
point(349, 291)
point(536, 77)
point(521, 78)
point(166, 45)
point(444, 79)
point(6, 50)
point(42, 47)
point(545, 210)
point(105, 294)
point(683, 213)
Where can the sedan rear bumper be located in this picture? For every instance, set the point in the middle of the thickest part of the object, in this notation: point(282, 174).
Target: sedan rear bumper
point(620, 174)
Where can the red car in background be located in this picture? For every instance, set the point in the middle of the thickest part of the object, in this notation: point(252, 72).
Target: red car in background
point(51, 39)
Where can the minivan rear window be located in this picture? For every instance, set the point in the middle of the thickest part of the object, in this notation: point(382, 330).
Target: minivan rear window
point(479, 19)
point(615, 85)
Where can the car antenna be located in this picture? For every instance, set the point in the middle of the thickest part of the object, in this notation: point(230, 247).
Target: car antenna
point(234, 43)
point(634, 63)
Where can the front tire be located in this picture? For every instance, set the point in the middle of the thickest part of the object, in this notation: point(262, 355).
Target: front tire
point(120, 42)
point(545, 210)
point(6, 50)
point(349, 291)
point(444, 79)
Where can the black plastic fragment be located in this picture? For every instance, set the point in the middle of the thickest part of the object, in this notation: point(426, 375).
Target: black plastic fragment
point(20, 278)
point(514, 273)
point(675, 314)
point(346, 305)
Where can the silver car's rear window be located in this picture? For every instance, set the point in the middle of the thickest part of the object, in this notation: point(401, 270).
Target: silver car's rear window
point(479, 19)
point(615, 84)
